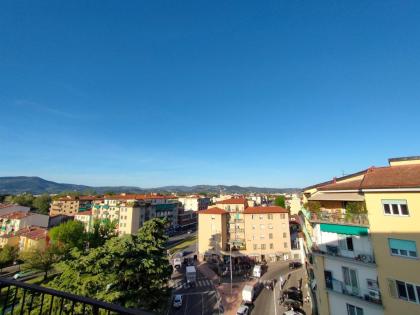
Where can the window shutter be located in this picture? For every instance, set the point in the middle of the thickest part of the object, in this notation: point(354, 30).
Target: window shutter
point(392, 288)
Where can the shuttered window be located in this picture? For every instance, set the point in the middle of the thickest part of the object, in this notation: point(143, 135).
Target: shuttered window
point(404, 248)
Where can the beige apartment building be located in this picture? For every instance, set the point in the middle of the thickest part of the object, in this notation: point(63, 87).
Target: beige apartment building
point(212, 236)
point(235, 207)
point(71, 205)
point(261, 233)
point(267, 233)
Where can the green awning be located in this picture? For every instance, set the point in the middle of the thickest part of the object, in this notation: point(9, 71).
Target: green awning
point(344, 229)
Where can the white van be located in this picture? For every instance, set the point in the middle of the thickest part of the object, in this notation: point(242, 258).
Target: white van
point(257, 271)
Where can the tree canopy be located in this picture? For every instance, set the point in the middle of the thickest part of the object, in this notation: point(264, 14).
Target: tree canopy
point(42, 203)
point(8, 255)
point(101, 232)
point(42, 259)
point(280, 201)
point(131, 270)
point(69, 234)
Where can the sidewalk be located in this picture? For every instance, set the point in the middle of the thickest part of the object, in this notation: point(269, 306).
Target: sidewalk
point(230, 300)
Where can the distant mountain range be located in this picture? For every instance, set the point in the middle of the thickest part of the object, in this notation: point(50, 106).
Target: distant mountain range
point(37, 185)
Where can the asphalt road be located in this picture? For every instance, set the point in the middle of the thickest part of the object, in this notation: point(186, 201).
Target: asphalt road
point(267, 301)
point(197, 303)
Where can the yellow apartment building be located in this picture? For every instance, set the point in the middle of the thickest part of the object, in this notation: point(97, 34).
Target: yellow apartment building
point(267, 233)
point(364, 234)
point(32, 237)
point(261, 233)
point(212, 232)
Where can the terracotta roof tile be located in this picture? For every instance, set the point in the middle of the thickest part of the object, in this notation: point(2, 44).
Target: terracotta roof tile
point(350, 185)
point(401, 176)
point(214, 210)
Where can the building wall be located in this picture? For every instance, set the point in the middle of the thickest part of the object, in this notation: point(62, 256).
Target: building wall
point(212, 233)
point(26, 243)
point(338, 305)
point(258, 228)
point(321, 292)
point(9, 240)
point(66, 207)
point(383, 227)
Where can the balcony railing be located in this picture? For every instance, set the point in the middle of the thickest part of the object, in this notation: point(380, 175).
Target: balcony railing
point(372, 296)
point(237, 231)
point(336, 251)
point(340, 218)
point(22, 298)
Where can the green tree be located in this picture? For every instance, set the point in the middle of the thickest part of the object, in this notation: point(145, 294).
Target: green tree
point(69, 234)
point(42, 203)
point(131, 270)
point(42, 259)
point(101, 232)
point(8, 255)
point(280, 201)
point(23, 200)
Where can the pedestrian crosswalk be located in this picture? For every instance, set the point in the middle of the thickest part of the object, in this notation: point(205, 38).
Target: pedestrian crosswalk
point(182, 284)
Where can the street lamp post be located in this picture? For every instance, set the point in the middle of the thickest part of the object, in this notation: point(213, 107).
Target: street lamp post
point(231, 276)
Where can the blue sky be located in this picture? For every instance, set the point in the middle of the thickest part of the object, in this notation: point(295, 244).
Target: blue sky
point(150, 93)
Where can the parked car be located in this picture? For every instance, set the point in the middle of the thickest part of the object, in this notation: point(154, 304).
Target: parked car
point(22, 274)
point(177, 301)
point(295, 265)
point(243, 310)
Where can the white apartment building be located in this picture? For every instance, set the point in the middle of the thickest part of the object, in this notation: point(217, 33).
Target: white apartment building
point(14, 221)
point(194, 203)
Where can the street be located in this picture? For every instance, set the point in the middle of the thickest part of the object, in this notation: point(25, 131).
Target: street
point(200, 299)
point(267, 302)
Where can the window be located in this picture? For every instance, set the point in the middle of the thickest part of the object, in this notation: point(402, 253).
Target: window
point(253, 227)
point(252, 216)
point(270, 236)
point(408, 291)
point(271, 246)
point(255, 246)
point(270, 216)
point(261, 216)
point(404, 248)
point(354, 310)
point(284, 234)
point(262, 246)
point(270, 226)
point(395, 207)
point(261, 236)
point(285, 244)
point(350, 277)
point(346, 243)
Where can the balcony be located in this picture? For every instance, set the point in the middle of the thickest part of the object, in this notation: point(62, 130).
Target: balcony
point(372, 296)
point(339, 218)
point(236, 221)
point(23, 298)
point(353, 256)
point(236, 231)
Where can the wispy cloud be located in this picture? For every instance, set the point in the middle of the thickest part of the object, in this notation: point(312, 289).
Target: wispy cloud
point(45, 109)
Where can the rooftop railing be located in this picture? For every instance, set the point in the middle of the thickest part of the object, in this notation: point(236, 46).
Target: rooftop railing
point(339, 218)
point(22, 298)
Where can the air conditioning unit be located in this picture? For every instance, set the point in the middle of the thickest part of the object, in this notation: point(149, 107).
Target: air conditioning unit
point(374, 295)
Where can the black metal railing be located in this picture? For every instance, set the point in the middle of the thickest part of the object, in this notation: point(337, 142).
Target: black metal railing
point(23, 298)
